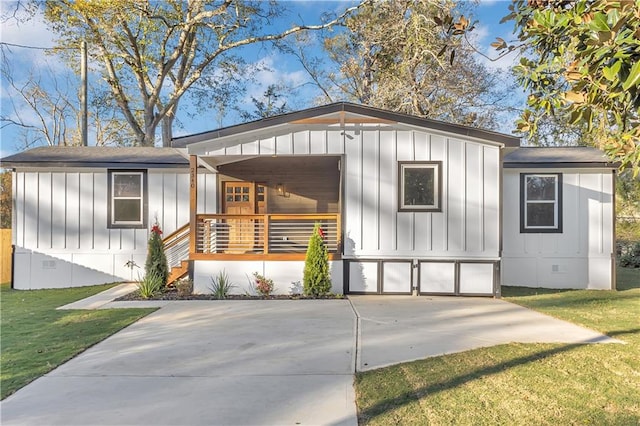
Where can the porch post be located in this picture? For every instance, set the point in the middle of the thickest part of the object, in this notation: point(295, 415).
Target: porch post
point(193, 203)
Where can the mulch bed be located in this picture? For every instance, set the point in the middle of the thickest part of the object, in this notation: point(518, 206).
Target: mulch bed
point(172, 294)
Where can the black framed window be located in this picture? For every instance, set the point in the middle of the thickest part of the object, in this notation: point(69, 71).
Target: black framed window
point(420, 186)
point(127, 199)
point(541, 202)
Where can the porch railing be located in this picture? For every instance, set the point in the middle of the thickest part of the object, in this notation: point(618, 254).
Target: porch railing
point(176, 246)
point(263, 233)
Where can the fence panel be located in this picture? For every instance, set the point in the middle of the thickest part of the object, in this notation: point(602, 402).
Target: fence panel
point(5, 255)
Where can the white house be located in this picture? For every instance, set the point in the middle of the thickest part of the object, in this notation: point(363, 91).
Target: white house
point(407, 205)
point(559, 219)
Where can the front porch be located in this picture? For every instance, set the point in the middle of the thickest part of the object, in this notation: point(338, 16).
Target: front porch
point(265, 210)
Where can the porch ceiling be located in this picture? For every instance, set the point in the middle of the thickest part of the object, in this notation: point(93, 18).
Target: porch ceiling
point(218, 160)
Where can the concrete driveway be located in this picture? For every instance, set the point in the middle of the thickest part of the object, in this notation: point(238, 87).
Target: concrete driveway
point(265, 362)
point(207, 363)
point(394, 329)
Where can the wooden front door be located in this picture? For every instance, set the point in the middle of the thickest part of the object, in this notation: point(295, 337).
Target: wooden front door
point(239, 199)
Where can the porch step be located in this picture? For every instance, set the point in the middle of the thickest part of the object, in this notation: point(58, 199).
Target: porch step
point(178, 272)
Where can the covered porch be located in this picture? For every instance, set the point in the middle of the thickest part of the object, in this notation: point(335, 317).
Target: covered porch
point(265, 209)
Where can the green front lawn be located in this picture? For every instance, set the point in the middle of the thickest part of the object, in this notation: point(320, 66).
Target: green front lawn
point(35, 338)
point(524, 383)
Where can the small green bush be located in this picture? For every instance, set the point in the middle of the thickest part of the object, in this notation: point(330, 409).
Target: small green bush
point(316, 280)
point(263, 286)
point(221, 285)
point(149, 286)
point(156, 263)
point(630, 257)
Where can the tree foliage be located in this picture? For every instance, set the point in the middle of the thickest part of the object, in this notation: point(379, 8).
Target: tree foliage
point(152, 53)
point(5, 199)
point(408, 56)
point(269, 104)
point(582, 63)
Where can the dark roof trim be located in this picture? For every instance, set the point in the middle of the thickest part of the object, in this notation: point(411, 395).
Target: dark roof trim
point(88, 164)
point(94, 156)
point(563, 165)
point(508, 140)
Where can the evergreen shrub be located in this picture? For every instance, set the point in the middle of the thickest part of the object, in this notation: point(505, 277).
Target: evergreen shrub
point(316, 280)
point(156, 263)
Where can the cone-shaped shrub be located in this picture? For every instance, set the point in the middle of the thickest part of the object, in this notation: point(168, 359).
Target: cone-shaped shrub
point(156, 263)
point(316, 279)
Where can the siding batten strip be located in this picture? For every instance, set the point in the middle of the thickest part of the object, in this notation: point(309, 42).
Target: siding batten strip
point(361, 188)
point(446, 199)
point(600, 196)
point(394, 212)
point(483, 204)
point(377, 209)
point(93, 211)
point(51, 200)
point(38, 210)
point(429, 235)
point(465, 177)
point(66, 212)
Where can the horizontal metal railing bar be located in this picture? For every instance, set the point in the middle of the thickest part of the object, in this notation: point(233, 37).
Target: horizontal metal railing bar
point(224, 234)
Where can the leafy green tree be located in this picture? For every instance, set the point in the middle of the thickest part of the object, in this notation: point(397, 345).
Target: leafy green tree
point(156, 265)
point(408, 56)
point(5, 199)
point(582, 64)
point(153, 53)
point(316, 279)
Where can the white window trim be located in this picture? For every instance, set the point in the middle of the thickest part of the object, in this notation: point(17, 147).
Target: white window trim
point(437, 185)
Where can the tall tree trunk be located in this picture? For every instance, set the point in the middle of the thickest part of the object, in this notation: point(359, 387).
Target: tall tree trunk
point(167, 126)
point(150, 126)
point(167, 133)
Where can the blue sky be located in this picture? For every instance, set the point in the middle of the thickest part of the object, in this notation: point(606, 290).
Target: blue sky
point(282, 68)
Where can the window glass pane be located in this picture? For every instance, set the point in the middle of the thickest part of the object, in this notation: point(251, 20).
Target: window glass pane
point(541, 187)
point(261, 197)
point(229, 190)
point(127, 185)
point(245, 198)
point(540, 214)
point(419, 186)
point(237, 189)
point(126, 211)
point(245, 190)
point(260, 189)
point(229, 197)
point(237, 198)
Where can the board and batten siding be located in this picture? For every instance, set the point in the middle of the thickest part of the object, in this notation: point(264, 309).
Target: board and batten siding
point(466, 228)
point(61, 236)
point(579, 257)
point(381, 246)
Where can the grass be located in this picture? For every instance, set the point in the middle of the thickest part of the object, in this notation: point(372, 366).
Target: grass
point(36, 338)
point(542, 384)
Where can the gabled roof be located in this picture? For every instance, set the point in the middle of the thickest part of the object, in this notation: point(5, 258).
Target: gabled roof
point(97, 156)
point(544, 157)
point(307, 116)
